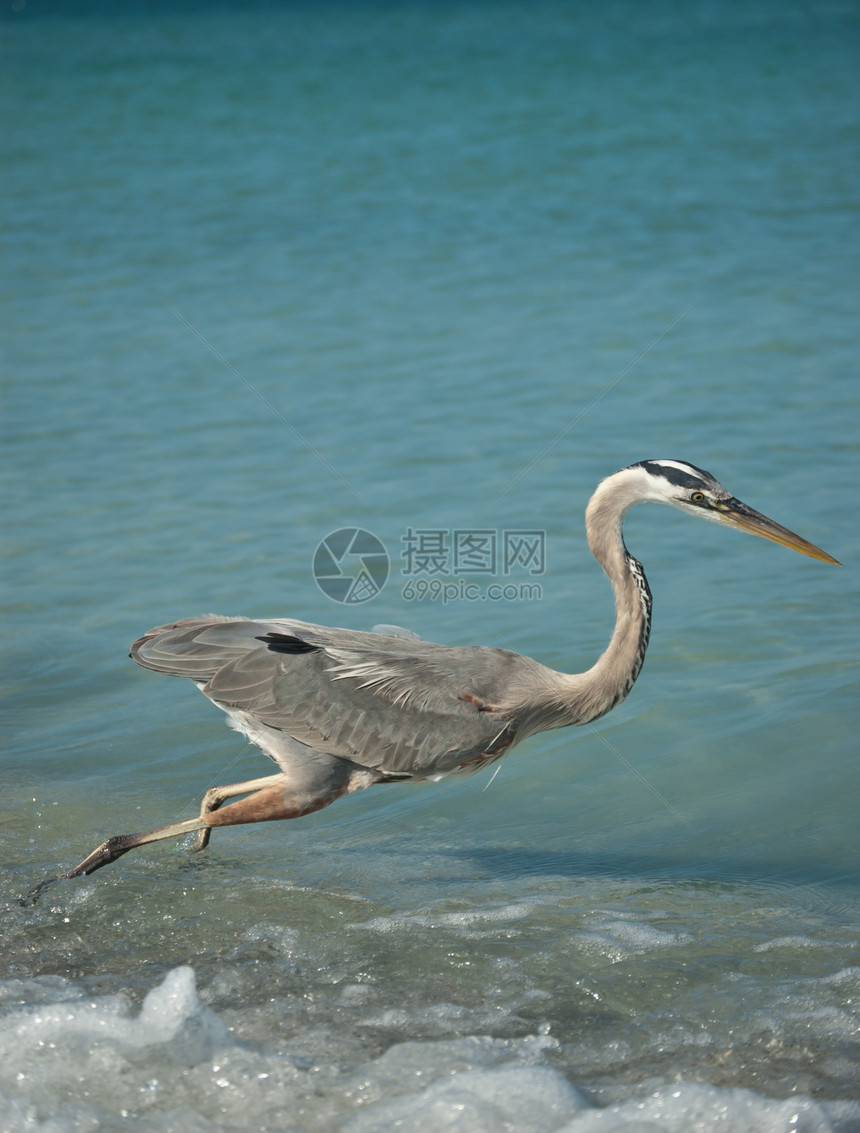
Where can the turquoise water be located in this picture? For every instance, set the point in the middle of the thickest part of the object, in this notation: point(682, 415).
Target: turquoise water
point(410, 268)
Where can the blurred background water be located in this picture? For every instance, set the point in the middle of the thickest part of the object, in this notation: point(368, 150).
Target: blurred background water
point(276, 270)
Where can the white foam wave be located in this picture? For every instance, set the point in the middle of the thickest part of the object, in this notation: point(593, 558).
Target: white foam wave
point(176, 1066)
point(693, 1107)
point(475, 923)
point(619, 937)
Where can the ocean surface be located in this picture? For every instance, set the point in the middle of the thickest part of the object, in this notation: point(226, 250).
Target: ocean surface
point(340, 312)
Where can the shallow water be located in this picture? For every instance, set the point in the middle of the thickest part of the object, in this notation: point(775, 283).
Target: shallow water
point(461, 261)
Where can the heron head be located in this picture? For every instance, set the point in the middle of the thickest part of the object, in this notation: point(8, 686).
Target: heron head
point(696, 492)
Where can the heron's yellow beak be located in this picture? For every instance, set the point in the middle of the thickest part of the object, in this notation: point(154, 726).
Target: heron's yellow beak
point(737, 514)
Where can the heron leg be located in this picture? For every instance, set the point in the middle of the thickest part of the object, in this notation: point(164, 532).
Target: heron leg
point(215, 797)
point(112, 849)
point(120, 844)
point(267, 799)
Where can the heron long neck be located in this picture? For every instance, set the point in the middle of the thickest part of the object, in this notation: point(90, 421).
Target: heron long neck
point(607, 682)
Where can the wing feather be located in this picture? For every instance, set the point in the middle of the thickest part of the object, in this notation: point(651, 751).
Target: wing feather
point(394, 704)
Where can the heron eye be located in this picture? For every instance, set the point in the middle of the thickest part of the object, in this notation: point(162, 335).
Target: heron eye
point(697, 497)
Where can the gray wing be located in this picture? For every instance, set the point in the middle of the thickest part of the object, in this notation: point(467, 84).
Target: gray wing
point(398, 705)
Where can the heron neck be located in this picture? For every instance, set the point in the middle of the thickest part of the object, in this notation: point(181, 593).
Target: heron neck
point(610, 679)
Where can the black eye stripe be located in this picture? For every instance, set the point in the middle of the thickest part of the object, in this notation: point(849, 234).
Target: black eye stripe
point(677, 476)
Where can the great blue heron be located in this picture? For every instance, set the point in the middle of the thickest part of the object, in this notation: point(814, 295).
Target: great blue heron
point(339, 710)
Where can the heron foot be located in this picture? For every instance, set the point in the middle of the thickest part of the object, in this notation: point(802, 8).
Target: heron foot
point(108, 852)
point(32, 895)
point(201, 841)
point(212, 800)
point(104, 854)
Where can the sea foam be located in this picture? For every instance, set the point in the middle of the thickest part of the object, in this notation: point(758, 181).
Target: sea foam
point(175, 1066)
